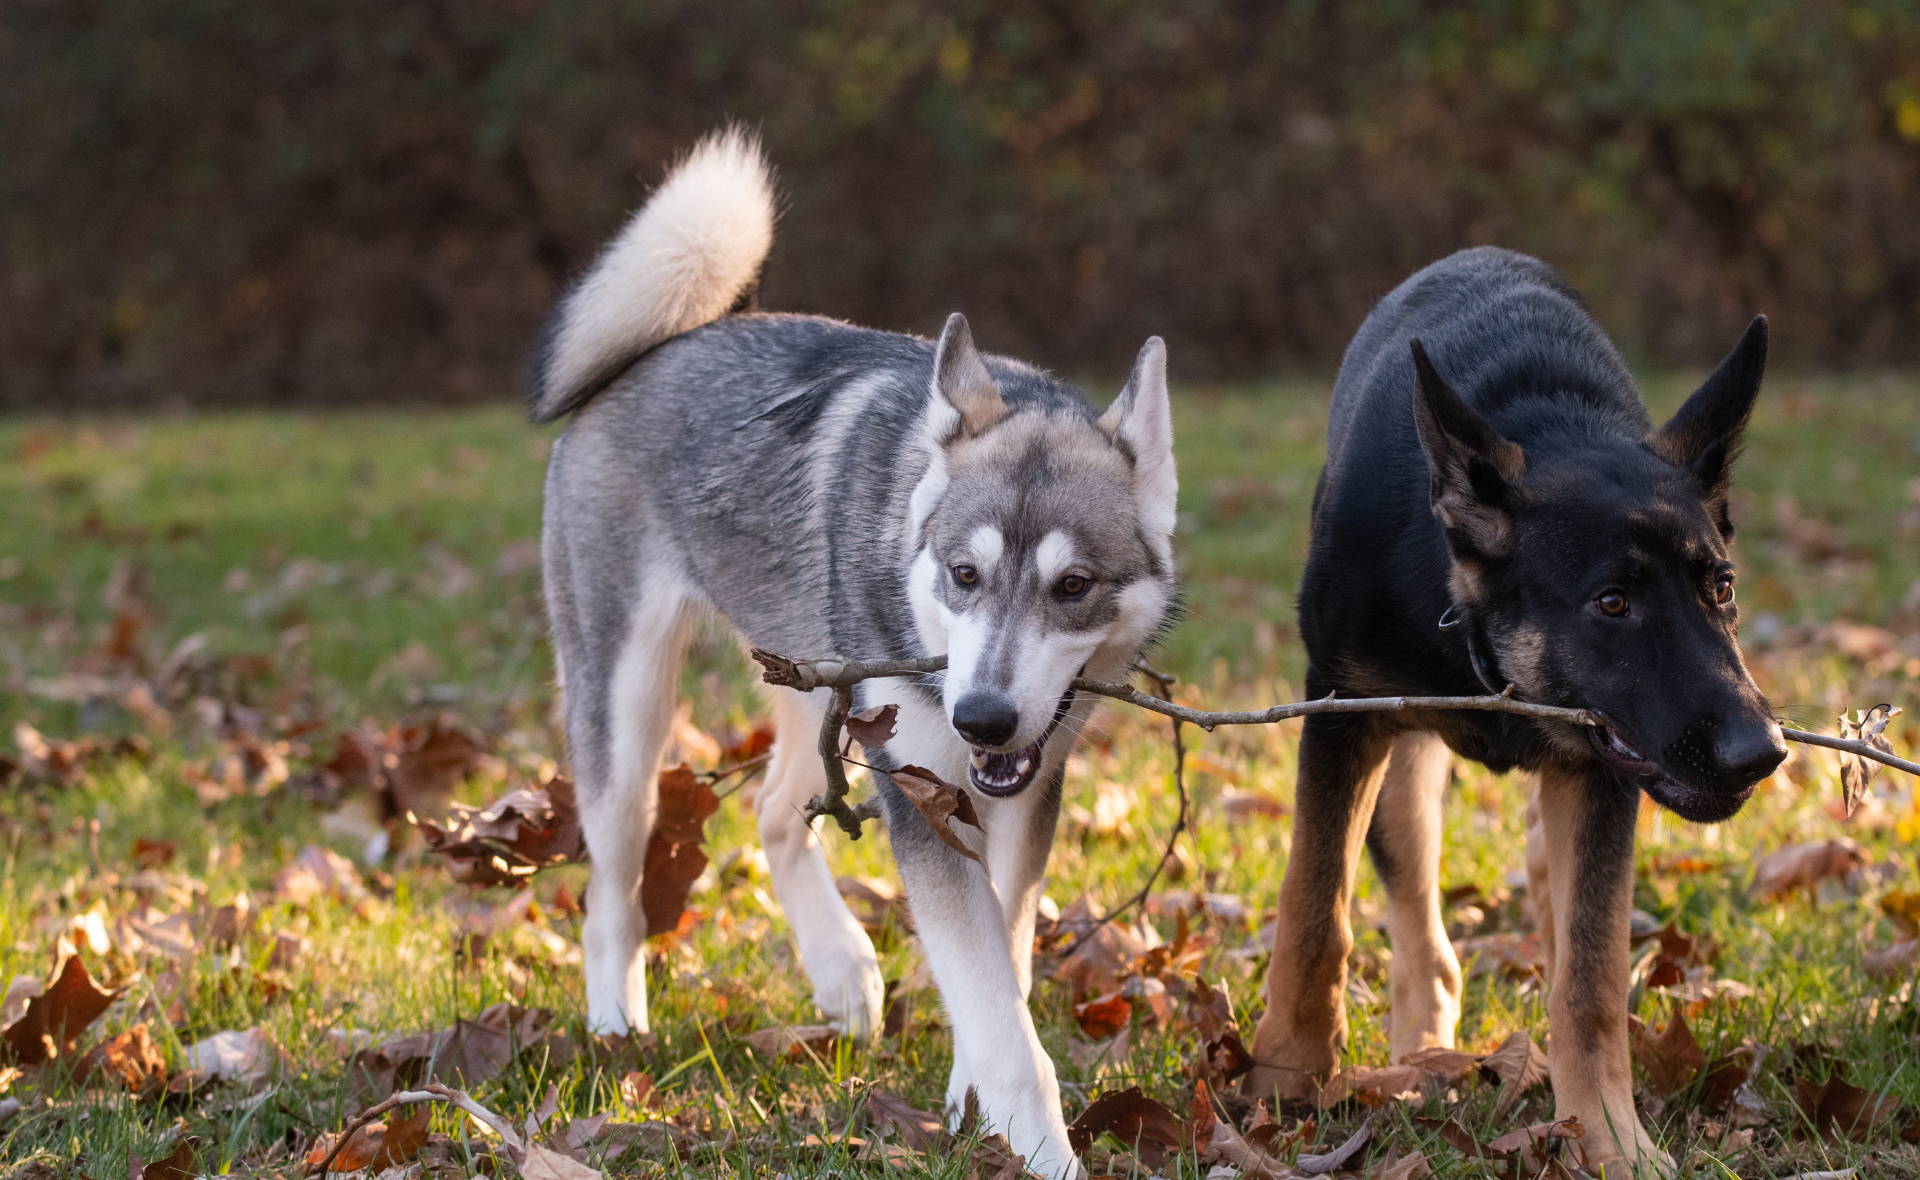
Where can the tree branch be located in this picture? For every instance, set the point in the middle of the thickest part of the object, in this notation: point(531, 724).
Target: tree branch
point(841, 675)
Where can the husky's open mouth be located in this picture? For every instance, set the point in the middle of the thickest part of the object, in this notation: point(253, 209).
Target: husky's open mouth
point(1685, 800)
point(1011, 772)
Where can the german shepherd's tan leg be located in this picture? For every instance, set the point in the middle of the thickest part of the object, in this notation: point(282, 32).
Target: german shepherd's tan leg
point(1300, 1035)
point(1404, 841)
point(1540, 881)
point(1588, 821)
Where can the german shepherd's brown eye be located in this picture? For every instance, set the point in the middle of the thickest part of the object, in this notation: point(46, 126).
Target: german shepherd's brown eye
point(1723, 590)
point(1612, 603)
point(1071, 586)
point(965, 575)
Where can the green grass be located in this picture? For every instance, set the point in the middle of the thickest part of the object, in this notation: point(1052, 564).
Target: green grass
point(378, 566)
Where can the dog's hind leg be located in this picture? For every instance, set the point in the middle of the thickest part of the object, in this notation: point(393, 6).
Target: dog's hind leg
point(1587, 819)
point(1298, 1040)
point(621, 657)
point(836, 952)
point(1404, 841)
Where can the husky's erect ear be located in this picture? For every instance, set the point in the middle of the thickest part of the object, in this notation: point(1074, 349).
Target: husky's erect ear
point(1142, 419)
point(961, 377)
point(1704, 436)
point(1473, 466)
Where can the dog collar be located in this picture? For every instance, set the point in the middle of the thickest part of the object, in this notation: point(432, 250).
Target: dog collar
point(1483, 665)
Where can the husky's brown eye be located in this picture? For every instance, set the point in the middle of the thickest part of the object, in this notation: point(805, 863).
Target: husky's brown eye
point(965, 575)
point(1723, 590)
point(1071, 586)
point(1612, 603)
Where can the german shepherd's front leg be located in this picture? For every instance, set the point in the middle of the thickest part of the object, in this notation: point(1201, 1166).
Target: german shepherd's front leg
point(1300, 1035)
point(1587, 820)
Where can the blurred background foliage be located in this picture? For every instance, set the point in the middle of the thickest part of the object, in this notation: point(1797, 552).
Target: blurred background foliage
point(311, 202)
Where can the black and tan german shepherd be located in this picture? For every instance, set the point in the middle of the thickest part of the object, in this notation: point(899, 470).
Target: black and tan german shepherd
point(1497, 508)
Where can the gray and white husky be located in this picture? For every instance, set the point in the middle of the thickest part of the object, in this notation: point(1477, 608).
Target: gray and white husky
point(832, 490)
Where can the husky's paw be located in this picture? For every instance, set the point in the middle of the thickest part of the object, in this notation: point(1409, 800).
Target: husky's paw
point(1640, 1158)
point(847, 989)
point(1029, 1119)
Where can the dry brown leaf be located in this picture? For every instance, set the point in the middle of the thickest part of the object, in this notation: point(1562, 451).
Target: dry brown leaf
point(1892, 962)
point(1332, 1161)
point(1671, 1058)
point(918, 1129)
point(675, 855)
point(1153, 1132)
point(470, 1051)
point(237, 1055)
point(377, 1145)
point(941, 803)
point(1244, 805)
point(179, 1164)
point(1518, 1065)
point(55, 1018)
point(1411, 1166)
point(130, 1060)
point(1804, 866)
point(317, 872)
point(1104, 1016)
point(791, 1041)
point(515, 836)
point(873, 727)
point(543, 1163)
point(1537, 1133)
point(1839, 1109)
point(1856, 772)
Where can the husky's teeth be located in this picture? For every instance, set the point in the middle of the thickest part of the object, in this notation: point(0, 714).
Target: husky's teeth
point(980, 759)
point(1021, 767)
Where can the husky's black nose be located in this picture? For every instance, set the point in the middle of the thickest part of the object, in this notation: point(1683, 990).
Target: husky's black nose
point(985, 719)
point(1749, 753)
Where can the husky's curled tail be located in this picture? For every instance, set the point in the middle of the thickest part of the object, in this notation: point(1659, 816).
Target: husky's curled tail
point(690, 255)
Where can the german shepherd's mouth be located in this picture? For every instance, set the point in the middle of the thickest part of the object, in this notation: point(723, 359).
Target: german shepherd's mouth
point(1003, 774)
point(1683, 799)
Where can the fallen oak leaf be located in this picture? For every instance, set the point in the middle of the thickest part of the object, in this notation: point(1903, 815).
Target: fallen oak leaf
point(543, 1163)
point(515, 836)
point(55, 1018)
point(675, 856)
point(236, 1055)
point(940, 803)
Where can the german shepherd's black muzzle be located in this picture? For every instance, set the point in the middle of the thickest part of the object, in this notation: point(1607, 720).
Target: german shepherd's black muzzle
point(1498, 509)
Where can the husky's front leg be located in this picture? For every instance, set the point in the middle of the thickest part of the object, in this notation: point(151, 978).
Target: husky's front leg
point(964, 933)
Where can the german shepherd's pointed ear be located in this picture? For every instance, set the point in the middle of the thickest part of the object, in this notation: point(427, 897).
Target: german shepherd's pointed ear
point(1704, 435)
point(961, 377)
point(1141, 419)
point(1473, 466)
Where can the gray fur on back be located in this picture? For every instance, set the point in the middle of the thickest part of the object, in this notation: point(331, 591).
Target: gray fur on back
point(767, 460)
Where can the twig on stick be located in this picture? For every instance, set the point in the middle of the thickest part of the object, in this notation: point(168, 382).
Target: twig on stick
point(1164, 683)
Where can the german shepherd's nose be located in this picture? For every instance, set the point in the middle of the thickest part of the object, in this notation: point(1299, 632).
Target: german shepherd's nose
point(985, 719)
point(1728, 757)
